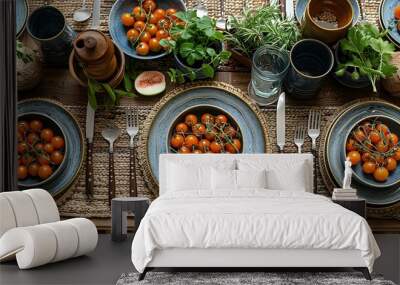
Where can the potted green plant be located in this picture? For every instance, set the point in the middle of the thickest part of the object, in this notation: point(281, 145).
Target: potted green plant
point(262, 26)
point(196, 45)
point(364, 55)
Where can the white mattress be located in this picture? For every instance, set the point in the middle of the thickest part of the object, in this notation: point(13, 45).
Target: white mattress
point(252, 219)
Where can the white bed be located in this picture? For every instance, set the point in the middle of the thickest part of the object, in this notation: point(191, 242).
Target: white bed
point(248, 227)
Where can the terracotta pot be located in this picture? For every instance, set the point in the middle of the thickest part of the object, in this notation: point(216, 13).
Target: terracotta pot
point(78, 73)
point(392, 84)
point(343, 12)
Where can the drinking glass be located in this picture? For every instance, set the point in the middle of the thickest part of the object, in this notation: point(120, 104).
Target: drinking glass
point(269, 68)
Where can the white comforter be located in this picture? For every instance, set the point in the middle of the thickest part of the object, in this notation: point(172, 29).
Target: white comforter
point(250, 219)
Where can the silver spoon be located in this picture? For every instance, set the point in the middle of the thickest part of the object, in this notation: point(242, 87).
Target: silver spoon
point(221, 22)
point(82, 14)
point(201, 10)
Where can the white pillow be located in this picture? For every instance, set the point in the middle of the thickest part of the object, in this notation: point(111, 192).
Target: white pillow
point(223, 179)
point(251, 178)
point(277, 179)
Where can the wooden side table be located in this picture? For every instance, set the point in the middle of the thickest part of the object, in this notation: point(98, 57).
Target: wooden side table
point(119, 214)
point(358, 206)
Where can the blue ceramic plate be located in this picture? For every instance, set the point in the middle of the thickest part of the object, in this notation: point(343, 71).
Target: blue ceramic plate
point(359, 174)
point(301, 6)
point(73, 139)
point(118, 31)
point(21, 14)
point(386, 18)
point(335, 152)
point(250, 126)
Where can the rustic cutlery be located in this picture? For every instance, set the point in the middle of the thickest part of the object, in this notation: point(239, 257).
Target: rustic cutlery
point(299, 136)
point(314, 126)
point(90, 114)
point(221, 21)
point(82, 14)
point(110, 134)
point(280, 122)
point(132, 128)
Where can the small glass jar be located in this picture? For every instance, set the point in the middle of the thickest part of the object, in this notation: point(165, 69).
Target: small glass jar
point(268, 69)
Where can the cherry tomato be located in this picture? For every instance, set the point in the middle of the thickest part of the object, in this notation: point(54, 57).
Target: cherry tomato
point(177, 141)
point(48, 147)
point(159, 13)
point(57, 157)
point(145, 37)
point(142, 48)
point(191, 141)
point(45, 171)
point(382, 147)
point(351, 145)
point(381, 174)
point(369, 167)
point(221, 119)
point(46, 135)
point(170, 12)
point(161, 34)
point(197, 151)
point(22, 147)
point(366, 156)
point(43, 160)
point(32, 138)
point(26, 159)
point(392, 138)
point(20, 137)
point(23, 127)
point(33, 169)
point(210, 134)
point(181, 128)
point(127, 19)
point(359, 135)
point(149, 6)
point(151, 29)
point(57, 142)
point(22, 172)
point(184, 150)
point(39, 147)
point(204, 145)
point(391, 164)
point(199, 129)
point(234, 146)
point(374, 137)
point(354, 157)
point(216, 147)
point(132, 35)
point(207, 118)
point(139, 14)
point(163, 24)
point(397, 12)
point(230, 131)
point(154, 45)
point(382, 128)
point(139, 25)
point(191, 120)
point(36, 125)
point(397, 154)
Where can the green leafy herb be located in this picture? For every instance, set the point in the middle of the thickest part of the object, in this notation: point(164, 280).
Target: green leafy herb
point(264, 26)
point(21, 53)
point(197, 42)
point(367, 54)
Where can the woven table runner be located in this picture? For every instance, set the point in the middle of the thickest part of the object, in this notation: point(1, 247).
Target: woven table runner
point(75, 203)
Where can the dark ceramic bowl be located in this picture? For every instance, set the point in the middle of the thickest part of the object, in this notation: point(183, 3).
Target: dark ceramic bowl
point(198, 111)
point(346, 79)
point(118, 31)
point(48, 122)
point(367, 179)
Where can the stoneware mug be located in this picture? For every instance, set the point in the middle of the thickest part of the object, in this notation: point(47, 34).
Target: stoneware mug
point(310, 62)
point(320, 14)
point(48, 27)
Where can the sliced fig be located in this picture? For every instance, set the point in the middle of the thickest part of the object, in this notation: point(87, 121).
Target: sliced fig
point(150, 83)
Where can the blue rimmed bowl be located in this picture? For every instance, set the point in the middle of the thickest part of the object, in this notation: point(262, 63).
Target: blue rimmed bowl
point(21, 16)
point(73, 137)
point(387, 21)
point(118, 31)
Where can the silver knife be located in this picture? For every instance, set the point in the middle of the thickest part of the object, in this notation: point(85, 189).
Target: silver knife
point(289, 9)
point(280, 122)
point(90, 114)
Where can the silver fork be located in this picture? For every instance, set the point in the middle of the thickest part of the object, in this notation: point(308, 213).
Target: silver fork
point(314, 126)
point(132, 128)
point(299, 136)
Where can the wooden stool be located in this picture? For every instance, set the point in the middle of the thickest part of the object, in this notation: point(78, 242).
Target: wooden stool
point(119, 214)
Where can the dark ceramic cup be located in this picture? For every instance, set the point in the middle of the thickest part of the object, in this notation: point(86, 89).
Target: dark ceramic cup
point(47, 26)
point(310, 62)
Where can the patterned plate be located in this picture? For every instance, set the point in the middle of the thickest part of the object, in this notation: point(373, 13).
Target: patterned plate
point(218, 95)
point(334, 151)
point(73, 139)
point(386, 19)
point(302, 4)
point(21, 15)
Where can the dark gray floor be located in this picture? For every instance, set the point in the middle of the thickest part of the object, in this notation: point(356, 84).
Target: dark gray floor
point(103, 266)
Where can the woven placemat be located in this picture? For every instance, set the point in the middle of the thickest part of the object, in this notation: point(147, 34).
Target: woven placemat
point(75, 203)
point(369, 9)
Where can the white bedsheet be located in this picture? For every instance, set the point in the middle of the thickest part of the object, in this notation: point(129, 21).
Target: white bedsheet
point(253, 218)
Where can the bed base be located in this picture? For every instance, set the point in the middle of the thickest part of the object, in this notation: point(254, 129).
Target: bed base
point(363, 270)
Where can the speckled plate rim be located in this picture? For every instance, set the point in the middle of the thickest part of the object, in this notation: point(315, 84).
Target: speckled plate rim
point(148, 175)
point(63, 194)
